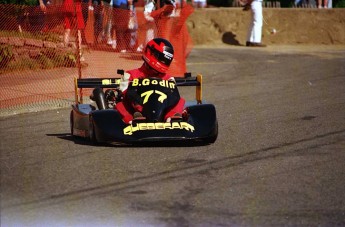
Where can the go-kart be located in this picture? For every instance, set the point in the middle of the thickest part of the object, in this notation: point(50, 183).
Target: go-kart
point(105, 124)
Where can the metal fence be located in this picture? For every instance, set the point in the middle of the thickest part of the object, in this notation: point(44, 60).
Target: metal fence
point(42, 51)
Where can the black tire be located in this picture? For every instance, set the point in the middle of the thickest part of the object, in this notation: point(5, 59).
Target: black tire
point(92, 134)
point(212, 138)
point(71, 120)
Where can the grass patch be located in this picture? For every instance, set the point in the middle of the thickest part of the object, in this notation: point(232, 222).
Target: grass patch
point(51, 37)
point(47, 59)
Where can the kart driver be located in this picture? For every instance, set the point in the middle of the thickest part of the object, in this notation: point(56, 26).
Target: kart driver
point(158, 55)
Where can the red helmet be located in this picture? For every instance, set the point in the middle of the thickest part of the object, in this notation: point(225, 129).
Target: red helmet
point(159, 54)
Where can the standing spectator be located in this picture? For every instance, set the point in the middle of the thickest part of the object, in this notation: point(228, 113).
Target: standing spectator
point(112, 40)
point(118, 23)
point(42, 14)
point(124, 9)
point(68, 15)
point(73, 18)
point(255, 27)
point(150, 6)
point(133, 26)
point(98, 15)
point(305, 3)
point(325, 4)
point(171, 25)
point(85, 9)
point(150, 25)
point(164, 15)
point(199, 3)
point(109, 27)
point(298, 3)
point(85, 4)
point(38, 16)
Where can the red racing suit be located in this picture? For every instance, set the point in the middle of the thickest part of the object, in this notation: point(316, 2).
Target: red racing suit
point(127, 107)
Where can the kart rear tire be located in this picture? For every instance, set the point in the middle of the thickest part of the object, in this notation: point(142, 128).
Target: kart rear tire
point(92, 133)
point(71, 120)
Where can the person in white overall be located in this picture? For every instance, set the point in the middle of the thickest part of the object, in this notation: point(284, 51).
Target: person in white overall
point(255, 27)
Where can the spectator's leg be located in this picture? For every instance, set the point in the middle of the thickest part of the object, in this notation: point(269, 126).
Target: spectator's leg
point(150, 34)
point(121, 45)
point(41, 20)
point(68, 18)
point(325, 3)
point(98, 23)
point(21, 21)
point(133, 40)
point(330, 4)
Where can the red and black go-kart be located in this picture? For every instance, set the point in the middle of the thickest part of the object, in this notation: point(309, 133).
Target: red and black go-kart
point(104, 124)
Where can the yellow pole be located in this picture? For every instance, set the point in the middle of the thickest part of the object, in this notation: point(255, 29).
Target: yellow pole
point(198, 89)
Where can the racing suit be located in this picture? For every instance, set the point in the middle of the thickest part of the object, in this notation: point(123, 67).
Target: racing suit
point(127, 107)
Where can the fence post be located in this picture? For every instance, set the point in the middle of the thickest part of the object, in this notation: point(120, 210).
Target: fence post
point(78, 40)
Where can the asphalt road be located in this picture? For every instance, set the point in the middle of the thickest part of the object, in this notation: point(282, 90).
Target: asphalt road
point(278, 161)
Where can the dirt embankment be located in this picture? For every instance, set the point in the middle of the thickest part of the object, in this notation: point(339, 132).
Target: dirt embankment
point(293, 26)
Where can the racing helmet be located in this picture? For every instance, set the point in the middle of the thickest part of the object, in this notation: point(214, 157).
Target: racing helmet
point(159, 54)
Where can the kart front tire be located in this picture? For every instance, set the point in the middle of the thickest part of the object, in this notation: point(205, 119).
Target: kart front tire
point(212, 138)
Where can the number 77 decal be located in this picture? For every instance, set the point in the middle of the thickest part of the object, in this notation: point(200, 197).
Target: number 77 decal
point(147, 95)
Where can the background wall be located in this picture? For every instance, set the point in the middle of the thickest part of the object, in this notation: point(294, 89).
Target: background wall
point(293, 26)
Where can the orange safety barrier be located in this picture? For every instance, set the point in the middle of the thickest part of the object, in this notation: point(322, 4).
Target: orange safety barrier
point(41, 52)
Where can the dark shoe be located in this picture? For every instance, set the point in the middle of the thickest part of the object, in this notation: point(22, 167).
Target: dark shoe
point(251, 44)
point(137, 116)
point(176, 118)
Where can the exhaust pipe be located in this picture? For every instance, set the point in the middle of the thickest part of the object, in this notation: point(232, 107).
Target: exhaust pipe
point(99, 97)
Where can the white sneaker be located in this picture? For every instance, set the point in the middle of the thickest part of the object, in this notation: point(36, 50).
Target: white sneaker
point(140, 48)
point(123, 51)
point(113, 45)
